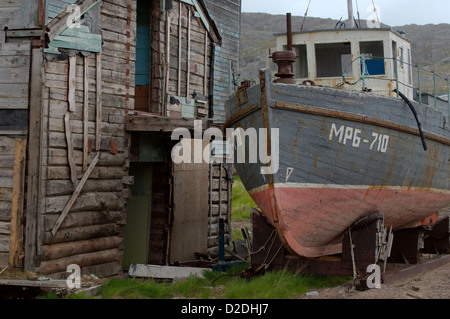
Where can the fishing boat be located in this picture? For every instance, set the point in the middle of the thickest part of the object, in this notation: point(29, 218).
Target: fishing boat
point(351, 139)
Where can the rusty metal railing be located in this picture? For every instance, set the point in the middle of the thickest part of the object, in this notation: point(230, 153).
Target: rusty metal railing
point(365, 75)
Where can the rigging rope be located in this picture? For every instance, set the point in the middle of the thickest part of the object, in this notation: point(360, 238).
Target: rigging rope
point(376, 13)
point(306, 13)
point(357, 12)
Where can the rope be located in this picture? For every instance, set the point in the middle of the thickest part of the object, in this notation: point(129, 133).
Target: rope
point(264, 246)
point(304, 18)
point(376, 13)
point(352, 253)
point(357, 10)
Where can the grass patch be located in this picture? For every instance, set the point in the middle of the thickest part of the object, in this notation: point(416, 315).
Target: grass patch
point(214, 285)
point(241, 202)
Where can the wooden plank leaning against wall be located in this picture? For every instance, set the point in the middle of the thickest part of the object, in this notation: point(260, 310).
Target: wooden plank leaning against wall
point(185, 68)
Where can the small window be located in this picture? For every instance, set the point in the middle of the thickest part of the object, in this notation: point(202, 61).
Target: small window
point(374, 55)
point(331, 60)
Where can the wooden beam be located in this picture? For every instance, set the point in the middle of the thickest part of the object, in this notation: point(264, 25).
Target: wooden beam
point(205, 76)
point(17, 200)
point(70, 152)
point(98, 94)
point(157, 124)
point(34, 154)
point(167, 65)
point(180, 24)
point(75, 195)
point(85, 114)
point(188, 67)
point(72, 82)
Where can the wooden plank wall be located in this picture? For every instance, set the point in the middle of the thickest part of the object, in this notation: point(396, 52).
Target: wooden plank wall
point(227, 16)
point(190, 49)
point(18, 14)
point(54, 7)
point(14, 80)
point(91, 234)
point(7, 146)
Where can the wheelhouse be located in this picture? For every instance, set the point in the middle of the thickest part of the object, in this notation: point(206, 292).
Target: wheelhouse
point(378, 60)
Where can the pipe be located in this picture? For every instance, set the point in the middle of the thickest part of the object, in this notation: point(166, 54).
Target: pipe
point(419, 125)
point(221, 240)
point(289, 31)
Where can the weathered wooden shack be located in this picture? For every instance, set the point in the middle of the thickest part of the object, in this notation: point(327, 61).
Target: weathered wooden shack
point(90, 92)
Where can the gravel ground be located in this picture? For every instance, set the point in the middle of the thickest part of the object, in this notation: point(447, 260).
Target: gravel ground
point(434, 284)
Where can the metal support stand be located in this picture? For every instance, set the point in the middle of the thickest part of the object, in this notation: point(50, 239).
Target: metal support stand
point(372, 242)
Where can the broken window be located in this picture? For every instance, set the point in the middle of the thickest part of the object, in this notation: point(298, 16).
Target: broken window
point(374, 56)
point(333, 59)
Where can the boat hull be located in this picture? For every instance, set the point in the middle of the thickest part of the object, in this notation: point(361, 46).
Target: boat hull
point(341, 155)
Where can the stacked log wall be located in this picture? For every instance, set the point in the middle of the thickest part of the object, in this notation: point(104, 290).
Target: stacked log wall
point(91, 234)
point(219, 206)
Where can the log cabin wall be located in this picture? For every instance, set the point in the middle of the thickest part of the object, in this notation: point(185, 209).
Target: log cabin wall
point(75, 90)
point(84, 183)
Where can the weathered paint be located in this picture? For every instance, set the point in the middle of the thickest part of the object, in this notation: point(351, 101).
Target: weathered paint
point(55, 7)
point(342, 154)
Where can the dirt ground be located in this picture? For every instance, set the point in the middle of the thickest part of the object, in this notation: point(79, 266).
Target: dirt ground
point(434, 284)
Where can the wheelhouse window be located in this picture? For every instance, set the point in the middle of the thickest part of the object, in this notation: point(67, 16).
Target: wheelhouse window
point(301, 64)
point(402, 57)
point(373, 52)
point(333, 59)
point(300, 67)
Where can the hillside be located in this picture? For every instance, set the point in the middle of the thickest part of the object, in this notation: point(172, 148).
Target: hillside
point(430, 43)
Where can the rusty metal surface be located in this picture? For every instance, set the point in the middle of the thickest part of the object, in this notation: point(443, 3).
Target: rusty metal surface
point(410, 270)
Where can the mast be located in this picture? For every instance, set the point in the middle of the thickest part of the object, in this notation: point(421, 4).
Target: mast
point(350, 13)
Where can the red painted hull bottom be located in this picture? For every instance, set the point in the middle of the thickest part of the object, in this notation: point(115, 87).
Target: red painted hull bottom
point(311, 220)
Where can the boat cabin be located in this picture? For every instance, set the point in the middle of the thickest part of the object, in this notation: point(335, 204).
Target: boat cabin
point(375, 59)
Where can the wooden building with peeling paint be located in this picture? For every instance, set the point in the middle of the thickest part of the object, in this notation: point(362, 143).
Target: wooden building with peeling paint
point(90, 92)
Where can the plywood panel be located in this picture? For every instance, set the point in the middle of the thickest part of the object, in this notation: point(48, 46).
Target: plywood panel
point(190, 215)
